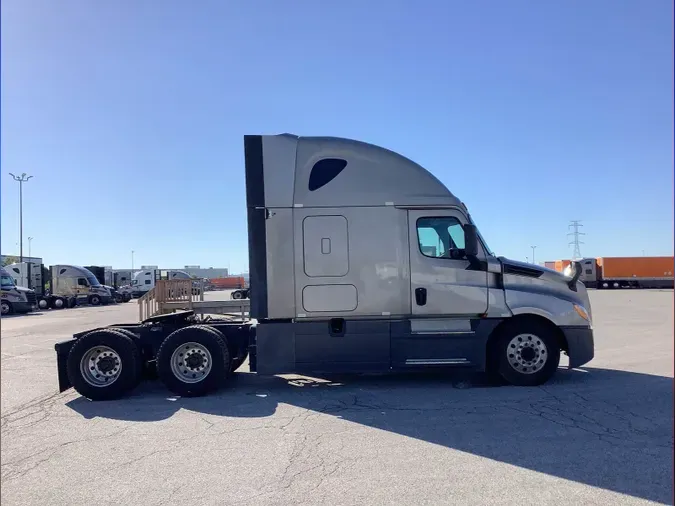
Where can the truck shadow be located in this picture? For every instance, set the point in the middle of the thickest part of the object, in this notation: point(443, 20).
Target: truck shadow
point(605, 428)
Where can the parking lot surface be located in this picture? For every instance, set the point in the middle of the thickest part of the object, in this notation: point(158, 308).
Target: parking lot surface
point(602, 434)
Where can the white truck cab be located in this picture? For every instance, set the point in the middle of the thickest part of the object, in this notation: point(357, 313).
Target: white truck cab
point(144, 280)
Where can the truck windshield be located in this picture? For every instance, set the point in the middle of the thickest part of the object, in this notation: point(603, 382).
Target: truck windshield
point(7, 280)
point(93, 281)
point(480, 237)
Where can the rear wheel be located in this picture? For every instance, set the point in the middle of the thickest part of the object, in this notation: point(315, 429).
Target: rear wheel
point(58, 303)
point(43, 304)
point(6, 307)
point(527, 353)
point(237, 295)
point(194, 360)
point(104, 365)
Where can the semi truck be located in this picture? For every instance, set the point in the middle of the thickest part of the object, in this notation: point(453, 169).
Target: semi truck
point(106, 278)
point(60, 286)
point(144, 280)
point(360, 261)
point(627, 272)
point(14, 298)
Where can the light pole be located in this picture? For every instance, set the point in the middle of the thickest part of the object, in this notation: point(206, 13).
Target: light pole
point(132, 264)
point(21, 179)
point(533, 247)
point(29, 240)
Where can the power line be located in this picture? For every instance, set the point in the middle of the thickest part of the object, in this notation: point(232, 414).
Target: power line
point(576, 242)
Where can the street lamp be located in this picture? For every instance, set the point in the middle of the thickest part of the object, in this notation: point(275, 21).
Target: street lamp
point(132, 264)
point(533, 247)
point(29, 241)
point(21, 179)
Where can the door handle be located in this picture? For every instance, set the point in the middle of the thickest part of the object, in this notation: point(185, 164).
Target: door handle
point(421, 296)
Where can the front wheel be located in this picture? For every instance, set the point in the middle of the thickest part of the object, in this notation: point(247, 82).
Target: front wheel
point(194, 360)
point(94, 300)
point(6, 307)
point(237, 295)
point(528, 354)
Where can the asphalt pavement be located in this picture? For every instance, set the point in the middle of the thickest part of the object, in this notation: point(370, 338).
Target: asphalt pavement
point(602, 434)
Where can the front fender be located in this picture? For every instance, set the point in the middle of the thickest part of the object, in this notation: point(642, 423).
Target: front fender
point(559, 310)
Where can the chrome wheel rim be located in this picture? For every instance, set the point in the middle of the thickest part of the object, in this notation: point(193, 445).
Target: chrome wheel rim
point(191, 362)
point(58, 303)
point(100, 366)
point(5, 308)
point(527, 353)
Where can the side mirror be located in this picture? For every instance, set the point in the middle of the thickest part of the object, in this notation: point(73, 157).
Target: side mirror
point(470, 240)
point(578, 269)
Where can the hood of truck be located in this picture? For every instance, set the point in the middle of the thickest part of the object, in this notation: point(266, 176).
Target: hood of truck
point(540, 288)
point(22, 289)
point(101, 290)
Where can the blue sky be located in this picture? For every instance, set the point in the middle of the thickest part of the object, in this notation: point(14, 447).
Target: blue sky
point(130, 117)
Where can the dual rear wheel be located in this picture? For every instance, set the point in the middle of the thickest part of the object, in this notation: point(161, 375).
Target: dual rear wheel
point(107, 364)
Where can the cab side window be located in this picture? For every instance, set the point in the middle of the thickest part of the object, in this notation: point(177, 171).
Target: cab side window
point(440, 237)
point(82, 282)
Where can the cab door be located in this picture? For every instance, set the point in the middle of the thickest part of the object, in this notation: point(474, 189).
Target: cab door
point(443, 282)
point(448, 293)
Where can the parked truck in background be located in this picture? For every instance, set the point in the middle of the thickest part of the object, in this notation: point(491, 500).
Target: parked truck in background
point(61, 286)
point(343, 280)
point(14, 298)
point(106, 278)
point(627, 272)
point(144, 280)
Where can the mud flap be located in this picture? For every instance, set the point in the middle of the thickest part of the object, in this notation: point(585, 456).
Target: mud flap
point(62, 350)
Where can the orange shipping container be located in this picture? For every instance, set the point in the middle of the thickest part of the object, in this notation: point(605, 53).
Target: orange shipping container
point(549, 265)
point(561, 264)
point(636, 267)
point(229, 282)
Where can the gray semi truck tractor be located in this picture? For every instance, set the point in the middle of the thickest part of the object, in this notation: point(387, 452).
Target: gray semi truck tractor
point(15, 299)
point(360, 261)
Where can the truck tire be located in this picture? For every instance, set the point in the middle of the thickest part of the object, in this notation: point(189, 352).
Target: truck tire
point(72, 302)
point(134, 339)
point(6, 307)
point(126, 297)
point(194, 360)
point(59, 303)
point(527, 353)
point(94, 300)
point(104, 365)
point(237, 362)
point(237, 295)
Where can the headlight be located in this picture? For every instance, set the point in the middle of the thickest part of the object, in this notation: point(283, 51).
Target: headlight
point(581, 311)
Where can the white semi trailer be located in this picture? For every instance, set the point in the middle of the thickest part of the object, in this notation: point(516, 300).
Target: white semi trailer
point(144, 280)
point(360, 261)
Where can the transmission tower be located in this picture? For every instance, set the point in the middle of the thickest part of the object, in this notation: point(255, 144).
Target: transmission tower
point(575, 225)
